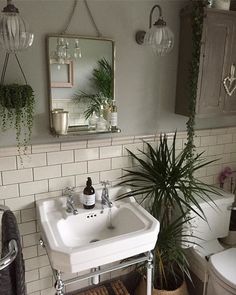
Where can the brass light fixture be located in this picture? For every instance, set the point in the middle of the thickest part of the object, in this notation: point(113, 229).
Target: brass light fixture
point(159, 37)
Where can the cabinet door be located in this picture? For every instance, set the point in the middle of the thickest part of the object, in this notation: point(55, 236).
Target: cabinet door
point(230, 101)
point(215, 53)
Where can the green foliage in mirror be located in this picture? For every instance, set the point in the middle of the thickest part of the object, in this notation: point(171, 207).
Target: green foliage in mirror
point(102, 79)
point(17, 110)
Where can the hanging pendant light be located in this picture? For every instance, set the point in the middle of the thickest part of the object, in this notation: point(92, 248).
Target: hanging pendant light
point(77, 50)
point(14, 33)
point(62, 53)
point(159, 37)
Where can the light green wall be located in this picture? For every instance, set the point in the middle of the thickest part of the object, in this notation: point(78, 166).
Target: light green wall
point(145, 84)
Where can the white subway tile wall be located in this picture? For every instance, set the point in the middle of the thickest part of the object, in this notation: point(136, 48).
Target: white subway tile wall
point(86, 154)
point(47, 169)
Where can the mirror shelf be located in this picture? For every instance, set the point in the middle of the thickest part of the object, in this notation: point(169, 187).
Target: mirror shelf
point(85, 132)
point(81, 82)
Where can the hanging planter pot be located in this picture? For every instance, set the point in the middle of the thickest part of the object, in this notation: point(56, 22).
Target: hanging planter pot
point(15, 96)
point(17, 107)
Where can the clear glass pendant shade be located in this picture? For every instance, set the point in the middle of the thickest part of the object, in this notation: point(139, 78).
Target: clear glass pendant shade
point(160, 38)
point(14, 34)
point(77, 50)
point(61, 55)
point(64, 52)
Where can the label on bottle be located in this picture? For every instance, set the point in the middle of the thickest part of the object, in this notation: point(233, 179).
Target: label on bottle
point(89, 200)
point(114, 119)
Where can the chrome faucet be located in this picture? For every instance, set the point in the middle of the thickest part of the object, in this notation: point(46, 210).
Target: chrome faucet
point(105, 195)
point(70, 208)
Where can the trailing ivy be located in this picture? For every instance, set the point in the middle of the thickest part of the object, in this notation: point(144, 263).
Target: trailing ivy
point(17, 110)
point(197, 16)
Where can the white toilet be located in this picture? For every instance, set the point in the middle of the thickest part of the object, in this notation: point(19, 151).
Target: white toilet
point(212, 264)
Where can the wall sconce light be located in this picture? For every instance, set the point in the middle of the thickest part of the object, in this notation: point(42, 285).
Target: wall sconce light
point(159, 37)
point(14, 34)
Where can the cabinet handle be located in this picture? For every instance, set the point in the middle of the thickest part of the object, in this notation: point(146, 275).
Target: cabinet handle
point(229, 82)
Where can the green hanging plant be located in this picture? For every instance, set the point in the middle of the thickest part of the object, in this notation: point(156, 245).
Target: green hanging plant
point(17, 107)
point(17, 110)
point(197, 28)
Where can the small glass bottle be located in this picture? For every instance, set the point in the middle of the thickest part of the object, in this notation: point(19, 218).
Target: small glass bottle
point(106, 111)
point(93, 121)
point(114, 117)
point(89, 195)
point(101, 122)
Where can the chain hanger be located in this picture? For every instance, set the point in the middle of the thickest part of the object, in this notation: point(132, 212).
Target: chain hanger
point(76, 2)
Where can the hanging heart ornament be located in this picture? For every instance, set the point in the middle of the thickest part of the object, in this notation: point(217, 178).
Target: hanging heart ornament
point(230, 82)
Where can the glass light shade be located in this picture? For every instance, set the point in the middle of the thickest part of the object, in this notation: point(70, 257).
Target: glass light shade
point(160, 38)
point(62, 53)
point(77, 50)
point(14, 35)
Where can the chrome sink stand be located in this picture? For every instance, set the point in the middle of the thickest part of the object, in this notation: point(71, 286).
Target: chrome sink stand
point(143, 257)
point(59, 285)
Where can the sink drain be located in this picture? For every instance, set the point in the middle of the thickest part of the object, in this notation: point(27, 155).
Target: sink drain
point(94, 240)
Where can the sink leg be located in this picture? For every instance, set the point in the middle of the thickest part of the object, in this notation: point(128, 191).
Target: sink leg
point(59, 285)
point(149, 267)
point(96, 279)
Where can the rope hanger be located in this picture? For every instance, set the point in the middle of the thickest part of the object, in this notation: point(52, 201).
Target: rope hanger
point(76, 2)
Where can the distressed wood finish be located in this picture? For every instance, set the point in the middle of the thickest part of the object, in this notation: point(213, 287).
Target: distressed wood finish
point(217, 55)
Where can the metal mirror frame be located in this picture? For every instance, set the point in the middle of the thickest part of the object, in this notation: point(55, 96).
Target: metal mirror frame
point(76, 130)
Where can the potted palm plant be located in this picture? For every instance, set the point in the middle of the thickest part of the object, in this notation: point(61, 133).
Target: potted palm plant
point(162, 183)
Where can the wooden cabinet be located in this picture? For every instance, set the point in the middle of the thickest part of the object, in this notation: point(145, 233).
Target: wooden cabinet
point(218, 54)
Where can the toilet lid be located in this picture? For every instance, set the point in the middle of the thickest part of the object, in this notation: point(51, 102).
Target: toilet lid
point(224, 265)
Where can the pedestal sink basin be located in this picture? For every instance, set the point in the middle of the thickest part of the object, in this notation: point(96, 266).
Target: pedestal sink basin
point(95, 237)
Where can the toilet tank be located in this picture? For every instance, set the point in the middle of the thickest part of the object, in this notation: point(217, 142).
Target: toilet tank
point(218, 218)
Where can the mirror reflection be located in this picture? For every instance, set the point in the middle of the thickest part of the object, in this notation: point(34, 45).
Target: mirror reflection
point(81, 73)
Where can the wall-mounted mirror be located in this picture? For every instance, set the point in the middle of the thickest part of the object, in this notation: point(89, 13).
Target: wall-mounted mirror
point(81, 83)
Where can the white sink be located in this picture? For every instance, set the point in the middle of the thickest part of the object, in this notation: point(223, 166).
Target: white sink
point(89, 239)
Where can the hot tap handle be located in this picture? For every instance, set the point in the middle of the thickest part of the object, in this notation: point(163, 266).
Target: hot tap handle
point(69, 190)
point(105, 183)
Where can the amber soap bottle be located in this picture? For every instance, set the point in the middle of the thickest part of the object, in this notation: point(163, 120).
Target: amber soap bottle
point(89, 195)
